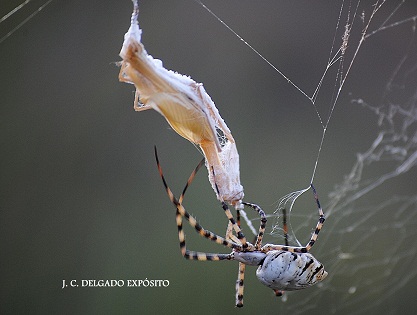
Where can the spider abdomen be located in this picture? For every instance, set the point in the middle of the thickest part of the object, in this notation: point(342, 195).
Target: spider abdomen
point(284, 270)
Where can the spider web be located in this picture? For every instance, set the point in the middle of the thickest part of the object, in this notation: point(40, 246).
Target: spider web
point(371, 239)
point(368, 243)
point(371, 244)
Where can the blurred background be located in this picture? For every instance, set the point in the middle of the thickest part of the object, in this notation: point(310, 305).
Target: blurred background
point(81, 197)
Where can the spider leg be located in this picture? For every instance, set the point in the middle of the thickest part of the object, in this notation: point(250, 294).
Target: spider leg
point(240, 286)
point(319, 223)
point(229, 215)
point(241, 237)
point(229, 230)
point(262, 226)
point(193, 255)
point(182, 213)
point(229, 233)
point(285, 226)
point(314, 236)
point(190, 180)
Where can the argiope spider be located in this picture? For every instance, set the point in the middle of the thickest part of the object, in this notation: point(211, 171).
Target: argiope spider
point(280, 267)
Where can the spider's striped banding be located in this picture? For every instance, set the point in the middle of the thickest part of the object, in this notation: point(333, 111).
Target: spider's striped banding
point(241, 237)
point(229, 215)
point(192, 255)
point(280, 267)
point(285, 226)
point(192, 114)
point(319, 223)
point(314, 236)
point(284, 270)
point(262, 226)
point(240, 285)
point(190, 179)
point(182, 213)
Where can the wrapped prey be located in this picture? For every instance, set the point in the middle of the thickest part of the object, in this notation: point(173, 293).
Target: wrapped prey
point(187, 108)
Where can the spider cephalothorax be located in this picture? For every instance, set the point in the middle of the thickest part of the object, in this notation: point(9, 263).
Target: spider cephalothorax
point(280, 267)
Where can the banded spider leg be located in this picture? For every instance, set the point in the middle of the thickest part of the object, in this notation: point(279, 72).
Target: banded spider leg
point(280, 267)
point(182, 213)
point(238, 244)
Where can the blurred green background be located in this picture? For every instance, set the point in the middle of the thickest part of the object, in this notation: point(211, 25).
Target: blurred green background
point(81, 197)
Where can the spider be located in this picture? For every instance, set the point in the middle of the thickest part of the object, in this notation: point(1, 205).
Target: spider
point(280, 267)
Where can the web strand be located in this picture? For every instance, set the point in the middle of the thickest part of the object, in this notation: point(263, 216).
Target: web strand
point(336, 57)
point(253, 49)
point(24, 21)
point(333, 59)
point(370, 243)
